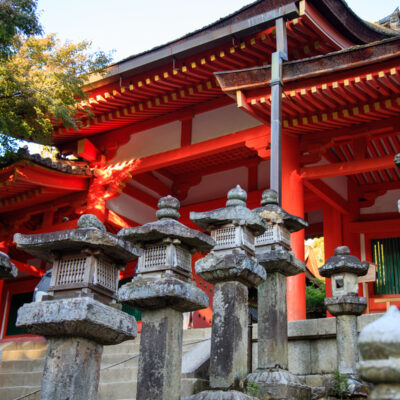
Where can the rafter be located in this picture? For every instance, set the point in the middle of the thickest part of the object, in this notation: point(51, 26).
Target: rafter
point(347, 168)
point(201, 149)
point(328, 195)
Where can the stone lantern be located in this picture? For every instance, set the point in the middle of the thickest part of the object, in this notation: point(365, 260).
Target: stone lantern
point(7, 268)
point(163, 291)
point(273, 252)
point(232, 267)
point(379, 344)
point(343, 269)
point(76, 318)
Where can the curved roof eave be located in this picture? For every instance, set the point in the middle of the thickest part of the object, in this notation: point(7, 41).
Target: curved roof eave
point(337, 12)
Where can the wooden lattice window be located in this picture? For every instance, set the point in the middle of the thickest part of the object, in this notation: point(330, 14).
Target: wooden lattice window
point(386, 255)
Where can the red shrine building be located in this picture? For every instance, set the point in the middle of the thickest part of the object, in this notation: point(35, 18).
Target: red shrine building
point(192, 118)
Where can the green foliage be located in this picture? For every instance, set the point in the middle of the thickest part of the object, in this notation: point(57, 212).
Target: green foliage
point(41, 79)
point(252, 388)
point(17, 17)
point(340, 385)
point(315, 296)
point(41, 85)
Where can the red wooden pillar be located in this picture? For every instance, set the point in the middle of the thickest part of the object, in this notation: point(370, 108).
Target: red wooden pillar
point(293, 202)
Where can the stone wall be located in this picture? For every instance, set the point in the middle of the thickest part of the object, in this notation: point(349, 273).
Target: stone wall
point(312, 347)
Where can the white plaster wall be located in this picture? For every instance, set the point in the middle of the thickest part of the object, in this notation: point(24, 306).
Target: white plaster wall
point(151, 141)
point(215, 186)
point(135, 210)
point(384, 204)
point(338, 184)
point(220, 122)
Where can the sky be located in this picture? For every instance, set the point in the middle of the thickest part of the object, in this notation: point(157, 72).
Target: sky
point(131, 26)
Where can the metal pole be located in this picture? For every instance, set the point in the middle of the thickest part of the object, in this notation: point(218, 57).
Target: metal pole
point(276, 107)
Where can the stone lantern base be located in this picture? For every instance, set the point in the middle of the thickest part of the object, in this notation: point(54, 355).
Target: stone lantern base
point(220, 395)
point(162, 300)
point(76, 330)
point(278, 384)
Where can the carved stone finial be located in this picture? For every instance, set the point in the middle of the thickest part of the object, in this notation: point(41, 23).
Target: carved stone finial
point(90, 221)
point(269, 196)
point(236, 197)
point(341, 250)
point(168, 208)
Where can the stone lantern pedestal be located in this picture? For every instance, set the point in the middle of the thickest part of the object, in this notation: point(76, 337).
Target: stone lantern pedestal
point(273, 253)
point(343, 269)
point(162, 290)
point(7, 268)
point(379, 344)
point(232, 267)
point(77, 319)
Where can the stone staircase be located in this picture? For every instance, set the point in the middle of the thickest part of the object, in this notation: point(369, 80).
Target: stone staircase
point(22, 364)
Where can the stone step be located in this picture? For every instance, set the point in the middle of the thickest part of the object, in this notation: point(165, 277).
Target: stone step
point(117, 390)
point(20, 378)
point(114, 375)
point(22, 366)
point(11, 393)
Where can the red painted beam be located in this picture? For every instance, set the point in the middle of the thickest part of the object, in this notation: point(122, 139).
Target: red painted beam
point(327, 194)
point(47, 178)
point(141, 196)
point(243, 105)
point(198, 150)
point(87, 150)
point(378, 227)
point(153, 183)
point(347, 168)
point(28, 269)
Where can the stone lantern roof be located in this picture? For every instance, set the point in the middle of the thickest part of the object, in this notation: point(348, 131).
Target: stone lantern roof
point(168, 227)
point(379, 340)
point(341, 262)
point(7, 268)
point(90, 234)
point(273, 213)
point(235, 212)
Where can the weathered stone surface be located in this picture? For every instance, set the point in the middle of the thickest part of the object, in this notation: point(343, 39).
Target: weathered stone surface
point(79, 317)
point(397, 160)
point(272, 323)
point(346, 341)
point(7, 268)
point(346, 305)
point(235, 212)
point(239, 267)
point(228, 361)
point(273, 213)
point(45, 245)
point(168, 207)
point(90, 221)
point(71, 370)
point(278, 384)
point(220, 395)
point(341, 262)
point(160, 360)
point(153, 294)
point(168, 227)
point(379, 344)
point(155, 231)
point(281, 261)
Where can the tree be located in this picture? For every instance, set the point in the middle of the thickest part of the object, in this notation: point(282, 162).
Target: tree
point(41, 83)
point(17, 17)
